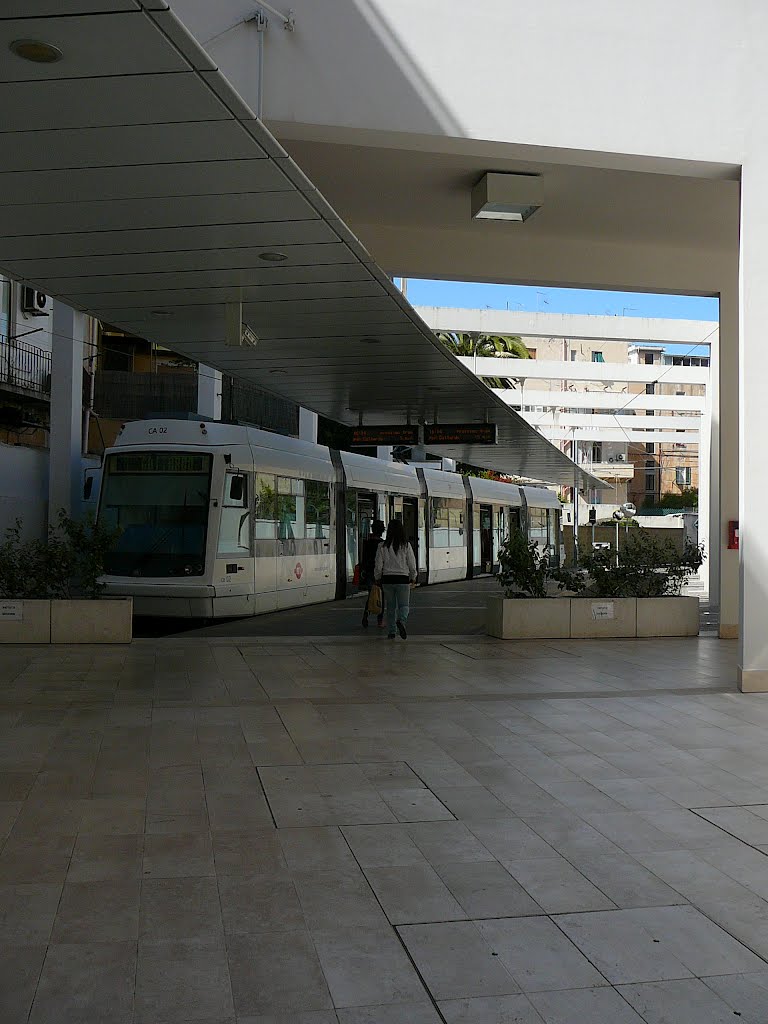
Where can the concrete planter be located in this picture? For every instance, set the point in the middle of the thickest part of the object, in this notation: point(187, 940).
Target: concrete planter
point(595, 618)
point(529, 618)
point(668, 616)
point(575, 618)
point(25, 622)
point(106, 621)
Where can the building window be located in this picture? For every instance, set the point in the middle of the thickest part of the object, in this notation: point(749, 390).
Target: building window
point(650, 464)
point(649, 358)
point(597, 451)
point(597, 357)
point(683, 476)
point(649, 448)
point(650, 389)
point(650, 482)
point(573, 355)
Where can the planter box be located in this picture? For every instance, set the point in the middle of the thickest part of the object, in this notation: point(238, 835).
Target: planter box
point(529, 618)
point(25, 622)
point(105, 621)
point(668, 616)
point(595, 618)
point(581, 618)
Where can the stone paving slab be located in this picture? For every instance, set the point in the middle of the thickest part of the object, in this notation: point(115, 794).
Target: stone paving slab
point(354, 831)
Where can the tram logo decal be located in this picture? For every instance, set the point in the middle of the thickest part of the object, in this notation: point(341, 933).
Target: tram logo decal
point(298, 572)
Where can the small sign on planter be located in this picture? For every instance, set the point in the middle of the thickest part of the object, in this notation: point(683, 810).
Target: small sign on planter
point(11, 611)
point(602, 610)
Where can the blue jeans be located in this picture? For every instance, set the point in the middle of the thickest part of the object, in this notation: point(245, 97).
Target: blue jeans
point(397, 601)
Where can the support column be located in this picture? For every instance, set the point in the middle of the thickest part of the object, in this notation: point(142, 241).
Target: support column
point(65, 474)
point(726, 420)
point(307, 425)
point(708, 572)
point(209, 389)
point(753, 423)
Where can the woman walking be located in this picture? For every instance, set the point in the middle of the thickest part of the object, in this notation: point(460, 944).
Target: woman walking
point(396, 571)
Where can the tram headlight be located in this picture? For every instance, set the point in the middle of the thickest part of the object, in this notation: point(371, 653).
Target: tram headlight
point(187, 570)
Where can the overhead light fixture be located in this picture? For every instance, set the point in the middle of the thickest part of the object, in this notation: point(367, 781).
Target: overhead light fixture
point(36, 50)
point(507, 196)
point(272, 257)
point(370, 341)
point(281, 372)
point(161, 312)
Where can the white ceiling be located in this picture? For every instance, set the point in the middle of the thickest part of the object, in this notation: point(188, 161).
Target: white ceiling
point(134, 180)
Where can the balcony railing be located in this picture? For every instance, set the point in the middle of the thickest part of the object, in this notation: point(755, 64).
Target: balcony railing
point(25, 367)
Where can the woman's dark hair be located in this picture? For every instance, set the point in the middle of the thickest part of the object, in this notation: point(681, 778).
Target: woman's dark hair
point(377, 528)
point(395, 535)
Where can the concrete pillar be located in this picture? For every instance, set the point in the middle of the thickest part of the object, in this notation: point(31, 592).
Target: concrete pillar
point(307, 425)
point(65, 483)
point(209, 392)
point(726, 417)
point(753, 422)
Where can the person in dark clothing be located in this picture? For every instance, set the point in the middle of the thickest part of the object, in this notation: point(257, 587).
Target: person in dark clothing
point(367, 566)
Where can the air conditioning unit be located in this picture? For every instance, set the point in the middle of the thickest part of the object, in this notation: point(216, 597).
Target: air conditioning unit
point(619, 458)
point(33, 302)
point(610, 458)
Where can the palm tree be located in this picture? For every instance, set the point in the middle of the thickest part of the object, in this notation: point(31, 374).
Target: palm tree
point(474, 343)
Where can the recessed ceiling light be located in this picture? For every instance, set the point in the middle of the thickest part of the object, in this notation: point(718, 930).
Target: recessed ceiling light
point(36, 51)
point(281, 372)
point(512, 197)
point(370, 341)
point(161, 312)
point(273, 257)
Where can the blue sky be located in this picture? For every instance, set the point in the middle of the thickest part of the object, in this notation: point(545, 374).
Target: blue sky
point(560, 300)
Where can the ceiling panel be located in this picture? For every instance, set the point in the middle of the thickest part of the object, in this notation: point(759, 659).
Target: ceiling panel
point(147, 180)
point(326, 261)
point(155, 226)
point(234, 293)
point(55, 8)
point(124, 146)
point(151, 214)
point(97, 102)
point(121, 49)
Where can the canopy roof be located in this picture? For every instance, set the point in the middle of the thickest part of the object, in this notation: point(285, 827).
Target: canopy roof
point(137, 186)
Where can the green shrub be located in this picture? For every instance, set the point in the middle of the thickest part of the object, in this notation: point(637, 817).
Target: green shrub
point(647, 567)
point(526, 571)
point(68, 565)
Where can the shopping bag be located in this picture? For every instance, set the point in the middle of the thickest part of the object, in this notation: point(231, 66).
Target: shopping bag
point(375, 603)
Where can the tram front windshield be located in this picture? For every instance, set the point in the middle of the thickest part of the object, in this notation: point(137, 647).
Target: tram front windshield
point(159, 503)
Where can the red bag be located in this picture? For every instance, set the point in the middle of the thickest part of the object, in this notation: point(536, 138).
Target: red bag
point(356, 575)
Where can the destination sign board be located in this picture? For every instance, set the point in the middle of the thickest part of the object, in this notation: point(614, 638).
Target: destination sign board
point(400, 434)
point(460, 433)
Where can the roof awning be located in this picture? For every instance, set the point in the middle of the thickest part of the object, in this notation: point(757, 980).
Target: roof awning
point(137, 186)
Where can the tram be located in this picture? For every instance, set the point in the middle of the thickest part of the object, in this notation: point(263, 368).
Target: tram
point(219, 520)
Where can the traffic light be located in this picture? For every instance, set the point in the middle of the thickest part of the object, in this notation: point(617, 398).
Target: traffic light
point(592, 516)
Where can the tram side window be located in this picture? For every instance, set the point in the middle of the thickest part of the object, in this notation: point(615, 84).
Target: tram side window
point(318, 514)
point(290, 508)
point(234, 529)
point(537, 526)
point(456, 517)
point(440, 523)
point(265, 507)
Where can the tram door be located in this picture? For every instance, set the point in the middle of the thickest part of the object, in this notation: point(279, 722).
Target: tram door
point(411, 524)
point(486, 538)
point(366, 513)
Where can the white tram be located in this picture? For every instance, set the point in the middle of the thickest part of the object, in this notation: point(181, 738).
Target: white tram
point(219, 520)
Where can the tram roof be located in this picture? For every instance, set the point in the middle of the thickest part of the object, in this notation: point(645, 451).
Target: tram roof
point(138, 187)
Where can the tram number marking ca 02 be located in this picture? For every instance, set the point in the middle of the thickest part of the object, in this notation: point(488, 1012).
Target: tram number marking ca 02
point(298, 572)
point(158, 430)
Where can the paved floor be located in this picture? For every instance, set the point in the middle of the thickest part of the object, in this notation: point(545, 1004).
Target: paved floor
point(379, 832)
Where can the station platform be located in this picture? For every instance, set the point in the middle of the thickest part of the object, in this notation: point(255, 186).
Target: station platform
point(355, 831)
